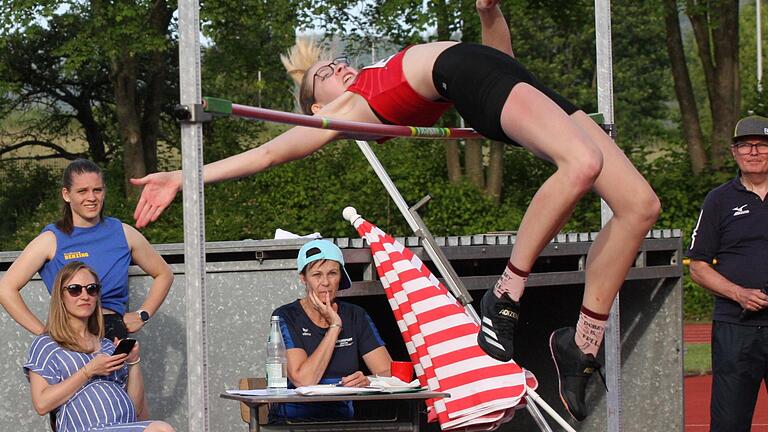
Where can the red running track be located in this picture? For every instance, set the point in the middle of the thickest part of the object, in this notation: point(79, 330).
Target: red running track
point(698, 390)
point(697, 393)
point(697, 333)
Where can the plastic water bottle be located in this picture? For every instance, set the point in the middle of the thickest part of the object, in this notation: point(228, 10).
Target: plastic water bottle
point(275, 366)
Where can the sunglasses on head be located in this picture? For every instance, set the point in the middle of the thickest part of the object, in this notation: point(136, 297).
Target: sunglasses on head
point(76, 289)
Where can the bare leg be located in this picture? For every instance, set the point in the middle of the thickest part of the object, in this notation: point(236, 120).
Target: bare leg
point(159, 426)
point(532, 119)
point(578, 146)
point(585, 158)
point(635, 209)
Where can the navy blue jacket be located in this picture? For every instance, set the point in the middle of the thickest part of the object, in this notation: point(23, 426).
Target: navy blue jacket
point(733, 229)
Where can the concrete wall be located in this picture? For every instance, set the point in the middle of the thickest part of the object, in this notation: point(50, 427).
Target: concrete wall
point(247, 280)
point(240, 303)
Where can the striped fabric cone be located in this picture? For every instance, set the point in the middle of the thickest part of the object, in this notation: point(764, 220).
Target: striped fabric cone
point(441, 339)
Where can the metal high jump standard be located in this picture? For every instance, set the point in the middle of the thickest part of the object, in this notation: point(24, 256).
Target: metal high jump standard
point(194, 226)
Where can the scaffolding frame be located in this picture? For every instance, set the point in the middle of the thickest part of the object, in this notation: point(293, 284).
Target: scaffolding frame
point(194, 223)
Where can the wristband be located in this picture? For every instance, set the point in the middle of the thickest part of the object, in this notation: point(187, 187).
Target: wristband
point(85, 372)
point(134, 363)
point(334, 325)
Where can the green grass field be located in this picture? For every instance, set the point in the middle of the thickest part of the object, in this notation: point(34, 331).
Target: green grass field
point(697, 359)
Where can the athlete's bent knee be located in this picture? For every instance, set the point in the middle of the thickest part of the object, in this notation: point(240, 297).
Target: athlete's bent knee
point(654, 208)
point(647, 209)
point(583, 170)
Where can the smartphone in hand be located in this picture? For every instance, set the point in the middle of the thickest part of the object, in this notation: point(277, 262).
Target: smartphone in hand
point(125, 346)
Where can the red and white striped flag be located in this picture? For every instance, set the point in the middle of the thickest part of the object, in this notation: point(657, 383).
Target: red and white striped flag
point(441, 339)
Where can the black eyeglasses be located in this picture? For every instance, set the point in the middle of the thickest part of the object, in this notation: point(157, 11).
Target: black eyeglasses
point(326, 71)
point(745, 148)
point(76, 289)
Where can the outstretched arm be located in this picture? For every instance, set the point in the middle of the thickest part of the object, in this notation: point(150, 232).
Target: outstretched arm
point(495, 31)
point(161, 188)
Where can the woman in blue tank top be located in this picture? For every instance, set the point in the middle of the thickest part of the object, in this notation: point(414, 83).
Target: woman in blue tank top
point(106, 244)
point(103, 243)
point(71, 368)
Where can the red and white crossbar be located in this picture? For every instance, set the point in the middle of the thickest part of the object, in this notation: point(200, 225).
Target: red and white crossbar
point(224, 107)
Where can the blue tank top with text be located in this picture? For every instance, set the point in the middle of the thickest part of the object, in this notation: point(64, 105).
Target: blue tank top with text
point(104, 248)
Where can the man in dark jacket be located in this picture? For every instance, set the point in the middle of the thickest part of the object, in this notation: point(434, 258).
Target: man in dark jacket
point(729, 257)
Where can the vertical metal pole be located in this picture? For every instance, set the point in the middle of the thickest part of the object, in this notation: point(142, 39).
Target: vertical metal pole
point(194, 226)
point(373, 52)
point(605, 106)
point(759, 39)
point(258, 97)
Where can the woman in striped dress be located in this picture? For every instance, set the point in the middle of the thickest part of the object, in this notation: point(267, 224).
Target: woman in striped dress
point(71, 366)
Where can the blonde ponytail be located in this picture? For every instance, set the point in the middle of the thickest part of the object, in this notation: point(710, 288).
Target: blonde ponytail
point(297, 61)
point(301, 57)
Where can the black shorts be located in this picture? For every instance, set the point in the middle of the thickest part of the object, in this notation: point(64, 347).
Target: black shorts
point(478, 80)
point(114, 327)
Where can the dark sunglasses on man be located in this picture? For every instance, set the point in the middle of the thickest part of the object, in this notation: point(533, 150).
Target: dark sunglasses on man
point(76, 289)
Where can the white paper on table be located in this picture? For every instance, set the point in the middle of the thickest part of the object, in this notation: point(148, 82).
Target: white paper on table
point(333, 389)
point(262, 392)
point(281, 234)
point(385, 381)
point(393, 384)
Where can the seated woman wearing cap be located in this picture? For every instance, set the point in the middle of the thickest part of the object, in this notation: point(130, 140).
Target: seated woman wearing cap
point(325, 339)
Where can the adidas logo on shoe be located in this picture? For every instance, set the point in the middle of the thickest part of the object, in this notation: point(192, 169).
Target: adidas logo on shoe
point(497, 330)
point(508, 313)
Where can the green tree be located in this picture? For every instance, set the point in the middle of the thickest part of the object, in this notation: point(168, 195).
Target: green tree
point(242, 61)
point(43, 95)
point(752, 95)
point(715, 25)
point(129, 43)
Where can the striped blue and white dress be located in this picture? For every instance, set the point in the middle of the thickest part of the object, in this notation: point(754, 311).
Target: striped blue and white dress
point(102, 404)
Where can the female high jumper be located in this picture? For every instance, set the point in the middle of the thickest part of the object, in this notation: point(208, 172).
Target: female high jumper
point(502, 101)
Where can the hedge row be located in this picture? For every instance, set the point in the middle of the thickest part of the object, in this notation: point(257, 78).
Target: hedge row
point(309, 195)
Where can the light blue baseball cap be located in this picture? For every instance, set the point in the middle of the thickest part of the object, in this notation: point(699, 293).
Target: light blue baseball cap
point(323, 250)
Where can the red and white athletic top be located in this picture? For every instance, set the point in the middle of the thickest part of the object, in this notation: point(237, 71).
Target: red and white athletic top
point(387, 92)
